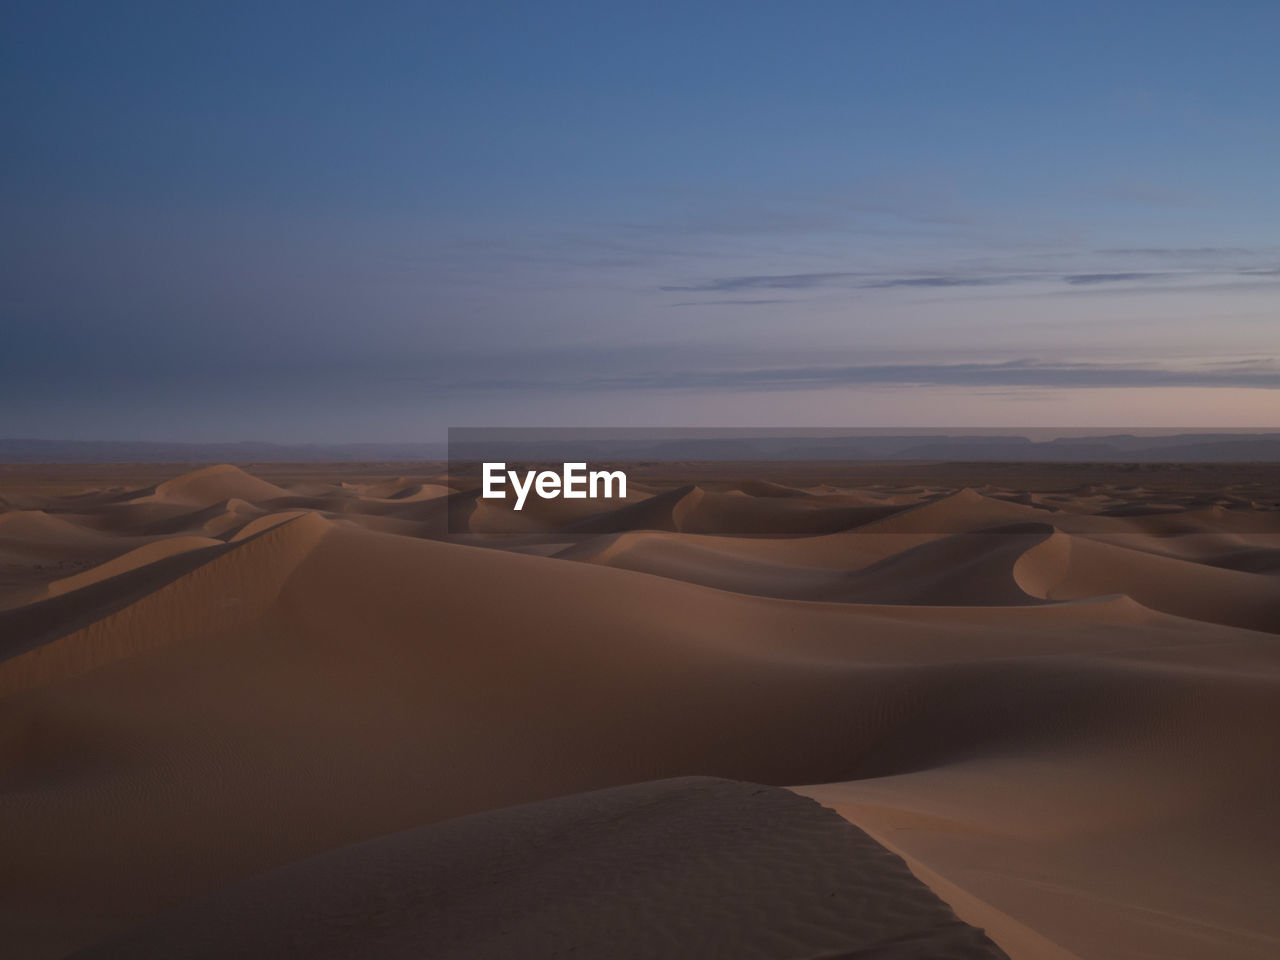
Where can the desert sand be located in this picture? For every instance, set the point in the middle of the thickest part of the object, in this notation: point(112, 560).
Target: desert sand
point(328, 709)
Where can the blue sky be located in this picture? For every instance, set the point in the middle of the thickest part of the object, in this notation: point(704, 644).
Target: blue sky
point(345, 221)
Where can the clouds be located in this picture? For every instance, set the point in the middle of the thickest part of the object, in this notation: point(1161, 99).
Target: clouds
point(1262, 374)
point(1080, 279)
point(813, 281)
point(787, 281)
point(1043, 280)
point(847, 280)
point(933, 282)
point(736, 199)
point(728, 303)
point(1179, 253)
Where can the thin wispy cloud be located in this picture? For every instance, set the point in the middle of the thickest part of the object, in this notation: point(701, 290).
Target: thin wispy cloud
point(1078, 279)
point(1033, 280)
point(785, 281)
point(1233, 283)
point(728, 303)
point(842, 279)
point(935, 282)
point(1257, 374)
point(1178, 252)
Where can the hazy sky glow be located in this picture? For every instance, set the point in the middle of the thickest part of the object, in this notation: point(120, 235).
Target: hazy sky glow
point(370, 221)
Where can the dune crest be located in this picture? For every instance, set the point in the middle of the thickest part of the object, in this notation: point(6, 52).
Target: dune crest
point(226, 591)
point(211, 485)
point(140, 557)
point(712, 868)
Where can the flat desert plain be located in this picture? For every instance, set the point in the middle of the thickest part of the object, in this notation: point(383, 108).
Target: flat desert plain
point(791, 711)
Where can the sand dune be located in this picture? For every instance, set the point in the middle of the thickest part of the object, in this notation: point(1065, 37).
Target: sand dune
point(1065, 720)
point(1068, 568)
point(37, 548)
point(976, 568)
point(142, 556)
point(163, 602)
point(713, 868)
point(215, 484)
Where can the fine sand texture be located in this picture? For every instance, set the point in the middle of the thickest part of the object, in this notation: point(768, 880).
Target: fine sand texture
point(353, 711)
point(691, 867)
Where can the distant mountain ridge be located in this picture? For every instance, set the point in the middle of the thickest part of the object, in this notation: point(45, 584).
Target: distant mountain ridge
point(147, 451)
point(1190, 447)
point(1176, 448)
